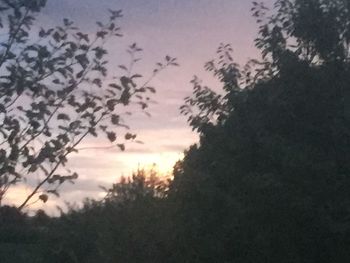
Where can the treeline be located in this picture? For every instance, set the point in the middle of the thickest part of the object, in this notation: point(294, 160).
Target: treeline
point(134, 223)
point(268, 181)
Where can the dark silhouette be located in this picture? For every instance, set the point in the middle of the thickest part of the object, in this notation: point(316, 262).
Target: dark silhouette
point(269, 180)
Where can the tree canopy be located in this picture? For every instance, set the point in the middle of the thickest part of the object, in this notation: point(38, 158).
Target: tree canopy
point(269, 180)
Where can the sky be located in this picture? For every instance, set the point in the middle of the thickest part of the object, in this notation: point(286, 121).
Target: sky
point(191, 31)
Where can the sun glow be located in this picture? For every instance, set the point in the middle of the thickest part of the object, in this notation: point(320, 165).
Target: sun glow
point(162, 162)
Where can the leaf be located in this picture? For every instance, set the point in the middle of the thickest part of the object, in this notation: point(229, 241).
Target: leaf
point(101, 34)
point(3, 109)
point(129, 136)
point(80, 74)
point(83, 36)
point(42, 33)
point(97, 82)
point(136, 76)
point(111, 136)
point(93, 131)
point(63, 116)
point(121, 147)
point(33, 168)
point(151, 89)
point(123, 67)
point(74, 176)
point(44, 197)
point(115, 86)
point(115, 119)
point(111, 104)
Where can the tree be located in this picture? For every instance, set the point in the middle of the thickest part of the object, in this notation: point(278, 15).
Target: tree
point(268, 181)
point(142, 184)
point(129, 225)
point(55, 91)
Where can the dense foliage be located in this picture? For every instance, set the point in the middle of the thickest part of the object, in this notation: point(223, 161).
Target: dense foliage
point(269, 180)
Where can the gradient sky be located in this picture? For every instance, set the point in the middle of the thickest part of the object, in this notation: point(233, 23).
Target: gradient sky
point(189, 30)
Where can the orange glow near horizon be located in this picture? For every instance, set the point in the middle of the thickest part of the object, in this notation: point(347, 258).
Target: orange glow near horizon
point(162, 162)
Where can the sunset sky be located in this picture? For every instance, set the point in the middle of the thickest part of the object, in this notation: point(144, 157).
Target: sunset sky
point(189, 30)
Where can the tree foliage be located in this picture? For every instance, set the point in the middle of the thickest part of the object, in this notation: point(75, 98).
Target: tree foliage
point(269, 180)
point(128, 225)
point(55, 91)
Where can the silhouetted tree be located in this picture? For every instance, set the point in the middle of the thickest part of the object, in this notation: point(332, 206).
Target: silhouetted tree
point(269, 180)
point(128, 226)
